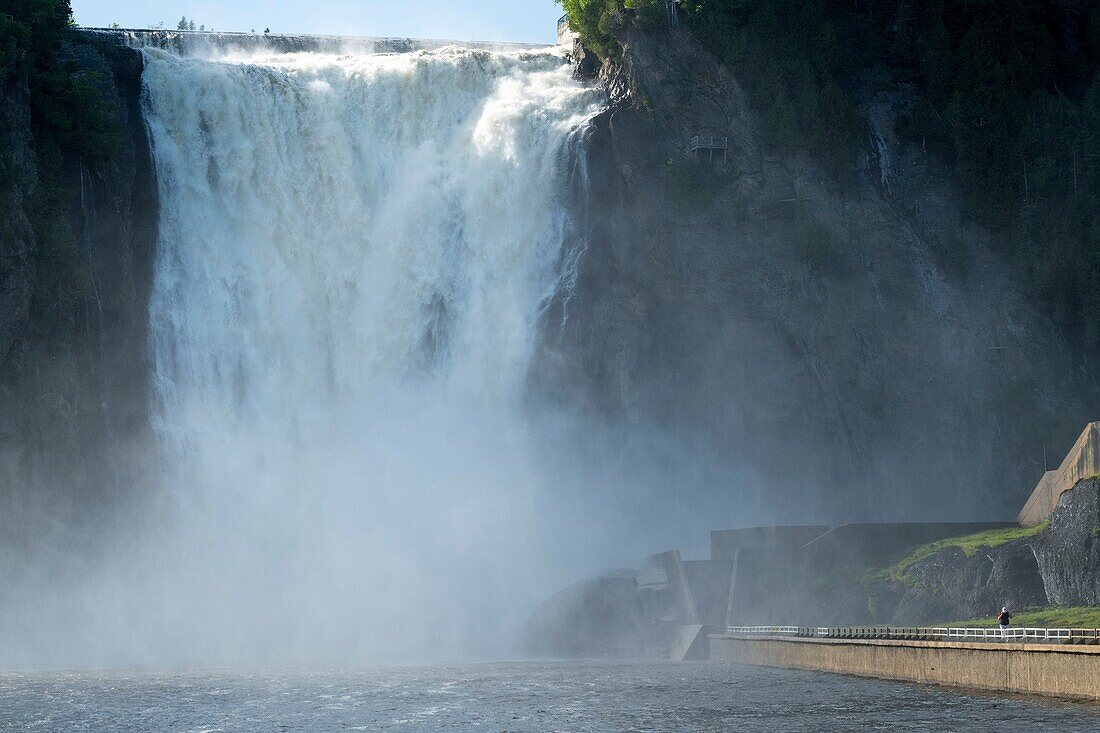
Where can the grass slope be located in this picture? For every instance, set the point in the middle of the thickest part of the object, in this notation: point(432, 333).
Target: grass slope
point(1078, 617)
point(970, 545)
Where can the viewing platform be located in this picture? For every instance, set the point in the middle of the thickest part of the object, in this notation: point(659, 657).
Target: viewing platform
point(710, 144)
point(1055, 662)
point(566, 35)
point(926, 633)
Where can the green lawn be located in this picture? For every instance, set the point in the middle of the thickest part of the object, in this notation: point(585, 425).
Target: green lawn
point(970, 545)
point(1079, 617)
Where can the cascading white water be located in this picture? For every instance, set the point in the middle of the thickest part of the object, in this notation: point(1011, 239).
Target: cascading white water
point(354, 253)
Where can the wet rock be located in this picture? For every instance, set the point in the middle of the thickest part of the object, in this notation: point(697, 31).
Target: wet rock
point(951, 586)
point(74, 377)
point(795, 321)
point(1068, 553)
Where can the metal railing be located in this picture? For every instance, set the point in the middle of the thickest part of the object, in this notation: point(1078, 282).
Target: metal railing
point(709, 142)
point(926, 633)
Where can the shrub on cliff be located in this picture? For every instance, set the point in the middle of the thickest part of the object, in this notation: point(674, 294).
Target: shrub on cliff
point(596, 20)
point(591, 20)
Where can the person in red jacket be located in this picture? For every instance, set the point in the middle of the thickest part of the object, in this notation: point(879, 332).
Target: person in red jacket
point(1003, 618)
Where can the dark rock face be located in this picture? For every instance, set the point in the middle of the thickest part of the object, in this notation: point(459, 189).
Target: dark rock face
point(1060, 567)
point(797, 324)
point(586, 65)
point(1068, 553)
point(17, 160)
point(74, 427)
point(950, 586)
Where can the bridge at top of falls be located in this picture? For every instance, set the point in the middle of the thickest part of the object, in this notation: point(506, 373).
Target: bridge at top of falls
point(204, 42)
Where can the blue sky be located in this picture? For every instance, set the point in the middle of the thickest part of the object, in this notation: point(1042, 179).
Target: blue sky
point(476, 20)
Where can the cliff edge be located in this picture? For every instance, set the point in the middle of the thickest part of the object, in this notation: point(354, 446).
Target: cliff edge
point(78, 227)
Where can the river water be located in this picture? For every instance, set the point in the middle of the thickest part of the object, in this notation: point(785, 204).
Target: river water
point(600, 697)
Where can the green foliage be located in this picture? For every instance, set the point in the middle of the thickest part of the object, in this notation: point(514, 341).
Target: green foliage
point(596, 20)
point(648, 14)
point(970, 545)
point(70, 120)
point(1051, 617)
point(593, 20)
point(14, 38)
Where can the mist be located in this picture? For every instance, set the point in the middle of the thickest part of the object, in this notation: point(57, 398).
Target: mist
point(411, 372)
point(355, 261)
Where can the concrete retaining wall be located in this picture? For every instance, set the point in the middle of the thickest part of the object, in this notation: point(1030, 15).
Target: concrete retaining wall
point(673, 566)
point(1082, 461)
point(1062, 670)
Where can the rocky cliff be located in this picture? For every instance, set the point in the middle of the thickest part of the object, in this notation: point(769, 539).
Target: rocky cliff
point(74, 278)
point(1058, 566)
point(951, 586)
point(797, 322)
point(1068, 553)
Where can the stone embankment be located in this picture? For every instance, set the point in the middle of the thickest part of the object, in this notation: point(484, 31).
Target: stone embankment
point(1042, 669)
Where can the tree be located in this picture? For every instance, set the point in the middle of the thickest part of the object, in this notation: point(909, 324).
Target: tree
point(191, 24)
point(592, 20)
point(182, 25)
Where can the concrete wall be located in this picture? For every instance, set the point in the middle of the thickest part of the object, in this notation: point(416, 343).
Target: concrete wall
point(725, 542)
point(1061, 670)
point(820, 582)
point(863, 543)
point(678, 587)
point(709, 581)
point(1082, 461)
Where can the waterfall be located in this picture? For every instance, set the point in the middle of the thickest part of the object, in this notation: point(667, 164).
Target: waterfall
point(354, 257)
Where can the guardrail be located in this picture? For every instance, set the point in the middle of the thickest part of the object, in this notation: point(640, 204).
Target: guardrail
point(709, 142)
point(926, 633)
